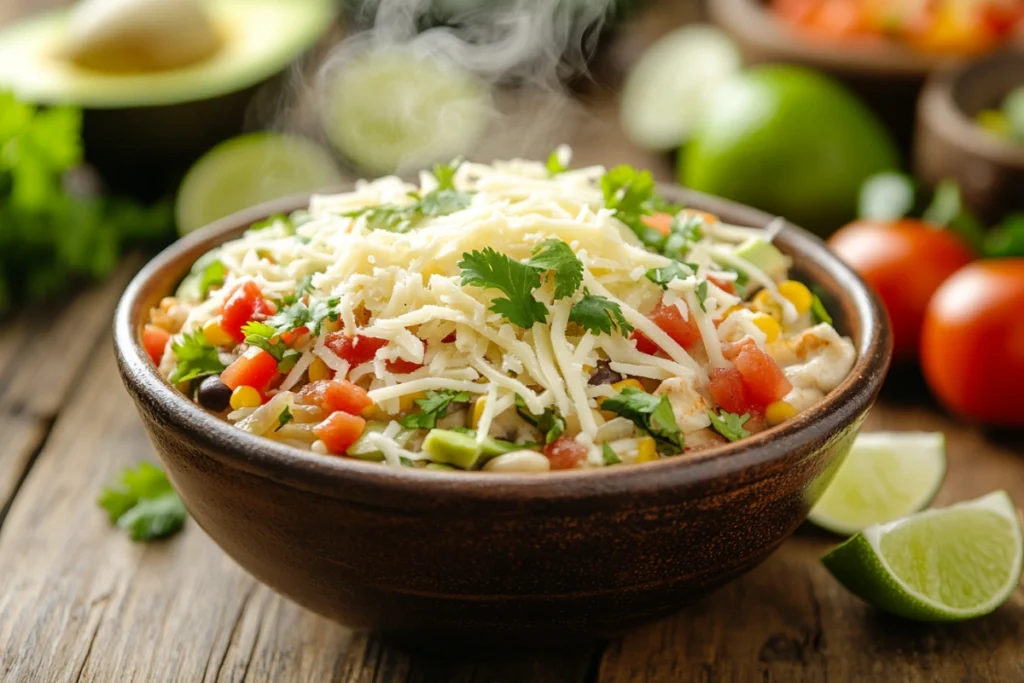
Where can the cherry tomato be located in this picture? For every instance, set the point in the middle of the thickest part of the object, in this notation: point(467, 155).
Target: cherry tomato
point(565, 453)
point(254, 368)
point(244, 304)
point(339, 431)
point(334, 395)
point(972, 344)
point(670, 320)
point(154, 341)
point(905, 261)
point(355, 349)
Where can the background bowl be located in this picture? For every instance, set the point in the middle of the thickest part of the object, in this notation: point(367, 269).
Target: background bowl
point(455, 558)
point(888, 76)
point(950, 144)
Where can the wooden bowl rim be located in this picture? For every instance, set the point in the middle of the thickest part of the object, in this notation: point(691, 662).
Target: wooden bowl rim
point(801, 437)
point(939, 109)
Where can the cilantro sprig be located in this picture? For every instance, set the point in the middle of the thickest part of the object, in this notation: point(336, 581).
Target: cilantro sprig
point(598, 314)
point(432, 408)
point(143, 503)
point(557, 256)
point(196, 358)
point(489, 269)
point(729, 425)
point(652, 414)
point(550, 423)
point(284, 418)
point(264, 336)
point(631, 195)
point(441, 201)
point(676, 269)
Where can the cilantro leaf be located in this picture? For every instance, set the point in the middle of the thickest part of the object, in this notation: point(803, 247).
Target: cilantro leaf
point(550, 423)
point(143, 503)
point(284, 418)
point(434, 406)
point(445, 174)
point(702, 294)
point(556, 163)
point(684, 231)
point(652, 414)
point(213, 276)
point(272, 221)
point(729, 425)
point(264, 336)
point(598, 314)
point(609, 456)
point(663, 276)
point(947, 208)
point(443, 202)
point(631, 195)
point(819, 314)
point(488, 269)
point(554, 254)
point(196, 357)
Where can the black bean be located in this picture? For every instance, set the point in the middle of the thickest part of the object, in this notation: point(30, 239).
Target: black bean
point(213, 394)
point(604, 375)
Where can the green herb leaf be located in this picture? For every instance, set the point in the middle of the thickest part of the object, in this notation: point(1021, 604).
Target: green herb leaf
point(432, 408)
point(196, 358)
point(277, 219)
point(443, 202)
point(445, 174)
point(819, 314)
point(683, 232)
point(213, 276)
point(554, 254)
point(948, 209)
point(284, 418)
point(1006, 239)
point(702, 294)
point(609, 456)
point(652, 414)
point(488, 269)
point(598, 314)
point(555, 164)
point(729, 425)
point(550, 423)
point(143, 503)
point(264, 336)
point(665, 275)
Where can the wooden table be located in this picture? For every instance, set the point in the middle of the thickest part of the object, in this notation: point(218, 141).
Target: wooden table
point(79, 602)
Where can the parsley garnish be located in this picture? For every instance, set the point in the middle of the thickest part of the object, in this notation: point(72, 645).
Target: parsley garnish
point(609, 456)
point(684, 231)
point(490, 270)
point(284, 418)
point(729, 425)
point(441, 201)
point(213, 276)
point(818, 312)
point(196, 358)
point(652, 414)
point(665, 275)
point(554, 254)
point(143, 503)
point(555, 164)
point(549, 423)
point(434, 406)
point(598, 314)
point(702, 294)
point(262, 335)
point(631, 195)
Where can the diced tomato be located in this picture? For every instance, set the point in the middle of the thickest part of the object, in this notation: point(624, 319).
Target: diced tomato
point(154, 340)
point(662, 222)
point(291, 336)
point(729, 391)
point(763, 378)
point(254, 368)
point(670, 319)
point(333, 395)
point(723, 285)
point(565, 453)
point(400, 366)
point(643, 342)
point(449, 338)
point(355, 349)
point(245, 303)
point(339, 431)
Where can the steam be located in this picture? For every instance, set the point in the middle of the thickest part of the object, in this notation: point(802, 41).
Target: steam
point(522, 51)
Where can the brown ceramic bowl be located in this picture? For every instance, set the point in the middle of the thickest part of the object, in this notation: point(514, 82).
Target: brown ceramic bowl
point(950, 144)
point(463, 558)
point(887, 75)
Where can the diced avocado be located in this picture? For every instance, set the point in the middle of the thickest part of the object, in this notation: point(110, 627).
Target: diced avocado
point(492, 447)
point(453, 448)
point(363, 450)
point(439, 466)
point(764, 256)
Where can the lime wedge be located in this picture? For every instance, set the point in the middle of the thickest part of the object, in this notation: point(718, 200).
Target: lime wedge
point(670, 85)
point(948, 564)
point(396, 111)
point(249, 170)
point(886, 476)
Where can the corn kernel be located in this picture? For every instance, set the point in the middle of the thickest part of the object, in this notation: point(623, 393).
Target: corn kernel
point(215, 334)
point(768, 325)
point(646, 450)
point(628, 384)
point(778, 412)
point(408, 402)
point(764, 302)
point(732, 309)
point(245, 397)
point(478, 411)
point(798, 295)
point(318, 370)
point(374, 413)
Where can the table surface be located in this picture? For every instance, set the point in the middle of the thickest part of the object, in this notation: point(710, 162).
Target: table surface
point(79, 602)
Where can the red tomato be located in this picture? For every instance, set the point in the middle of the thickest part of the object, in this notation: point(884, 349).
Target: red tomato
point(762, 376)
point(339, 431)
point(670, 320)
point(662, 222)
point(244, 304)
point(254, 368)
point(972, 343)
point(291, 336)
point(565, 453)
point(905, 261)
point(356, 350)
point(724, 285)
point(728, 390)
point(154, 341)
point(333, 395)
point(400, 366)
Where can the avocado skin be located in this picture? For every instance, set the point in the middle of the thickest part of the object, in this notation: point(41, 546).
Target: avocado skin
point(145, 151)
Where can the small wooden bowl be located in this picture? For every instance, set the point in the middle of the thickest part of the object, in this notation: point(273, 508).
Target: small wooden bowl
point(950, 144)
point(887, 75)
point(458, 558)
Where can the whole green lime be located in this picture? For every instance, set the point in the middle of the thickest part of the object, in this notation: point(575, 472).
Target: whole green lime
point(790, 141)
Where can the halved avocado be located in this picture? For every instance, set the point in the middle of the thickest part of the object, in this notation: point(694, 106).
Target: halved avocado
point(143, 127)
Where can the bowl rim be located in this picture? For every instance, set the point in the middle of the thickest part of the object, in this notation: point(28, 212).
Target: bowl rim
point(316, 473)
point(752, 22)
point(939, 109)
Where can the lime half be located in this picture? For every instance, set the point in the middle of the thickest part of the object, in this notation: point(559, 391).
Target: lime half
point(948, 564)
point(886, 476)
point(249, 170)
